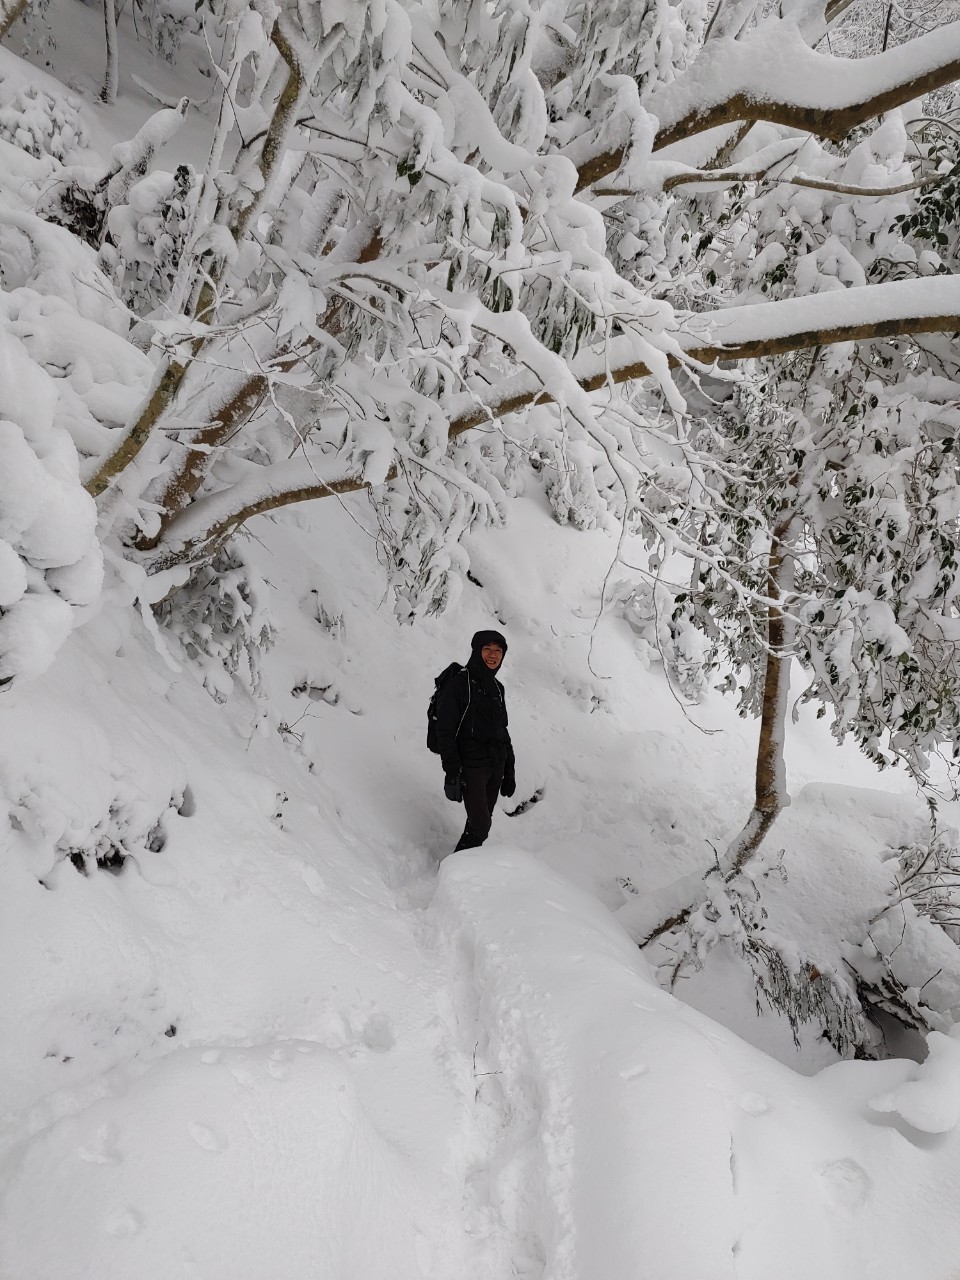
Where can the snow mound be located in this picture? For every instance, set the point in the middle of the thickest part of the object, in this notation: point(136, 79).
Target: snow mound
point(930, 1101)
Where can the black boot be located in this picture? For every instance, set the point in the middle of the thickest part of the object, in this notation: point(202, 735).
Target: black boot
point(467, 841)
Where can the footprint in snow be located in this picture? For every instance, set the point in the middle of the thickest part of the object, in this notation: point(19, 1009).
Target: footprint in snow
point(754, 1104)
point(846, 1183)
point(378, 1033)
point(127, 1223)
point(313, 880)
point(204, 1137)
point(103, 1149)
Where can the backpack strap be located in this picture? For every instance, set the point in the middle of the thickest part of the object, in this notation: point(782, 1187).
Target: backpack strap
point(466, 672)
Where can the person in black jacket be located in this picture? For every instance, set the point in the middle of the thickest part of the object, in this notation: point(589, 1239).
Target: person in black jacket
point(475, 747)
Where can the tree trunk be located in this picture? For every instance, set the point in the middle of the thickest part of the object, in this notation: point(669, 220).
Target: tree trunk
point(770, 784)
point(111, 80)
point(10, 11)
point(770, 792)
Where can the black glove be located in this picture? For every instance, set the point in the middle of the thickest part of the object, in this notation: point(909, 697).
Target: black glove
point(453, 787)
point(508, 786)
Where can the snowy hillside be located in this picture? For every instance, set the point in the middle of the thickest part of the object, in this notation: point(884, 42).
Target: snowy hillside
point(280, 1040)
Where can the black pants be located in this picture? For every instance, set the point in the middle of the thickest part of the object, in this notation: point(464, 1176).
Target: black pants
point(481, 786)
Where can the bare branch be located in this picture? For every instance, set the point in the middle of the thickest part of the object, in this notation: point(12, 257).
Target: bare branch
point(733, 176)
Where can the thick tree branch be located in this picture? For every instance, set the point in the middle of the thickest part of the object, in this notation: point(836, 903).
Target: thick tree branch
point(751, 332)
point(733, 176)
point(735, 80)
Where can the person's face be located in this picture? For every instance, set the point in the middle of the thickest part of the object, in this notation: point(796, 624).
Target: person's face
point(492, 655)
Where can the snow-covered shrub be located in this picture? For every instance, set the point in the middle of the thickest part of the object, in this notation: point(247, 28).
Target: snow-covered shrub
point(43, 123)
point(77, 201)
point(50, 558)
point(146, 237)
point(574, 480)
point(68, 378)
point(421, 531)
point(787, 981)
point(165, 25)
point(426, 574)
point(928, 875)
point(128, 828)
point(908, 959)
point(36, 31)
point(81, 197)
point(222, 618)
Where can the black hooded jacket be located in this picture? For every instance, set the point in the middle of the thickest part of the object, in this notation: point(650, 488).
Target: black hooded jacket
point(472, 715)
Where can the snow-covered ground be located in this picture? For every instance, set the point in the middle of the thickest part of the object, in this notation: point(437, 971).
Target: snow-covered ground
point(290, 1037)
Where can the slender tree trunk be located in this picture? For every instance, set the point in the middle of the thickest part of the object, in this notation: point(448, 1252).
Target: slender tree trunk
point(770, 781)
point(770, 791)
point(111, 80)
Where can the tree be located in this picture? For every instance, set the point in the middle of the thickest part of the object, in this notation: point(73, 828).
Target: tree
point(491, 285)
point(435, 220)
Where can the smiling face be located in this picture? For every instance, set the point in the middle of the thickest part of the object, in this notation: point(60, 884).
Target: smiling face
point(492, 656)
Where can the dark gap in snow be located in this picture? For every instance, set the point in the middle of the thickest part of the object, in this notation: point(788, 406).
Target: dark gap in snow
point(112, 861)
point(157, 838)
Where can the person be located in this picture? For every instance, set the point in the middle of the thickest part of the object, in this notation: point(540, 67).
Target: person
point(475, 747)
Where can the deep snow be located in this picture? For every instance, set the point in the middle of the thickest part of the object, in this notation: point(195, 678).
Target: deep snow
point(283, 1041)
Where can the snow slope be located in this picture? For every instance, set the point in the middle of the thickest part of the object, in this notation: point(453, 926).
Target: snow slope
point(275, 1045)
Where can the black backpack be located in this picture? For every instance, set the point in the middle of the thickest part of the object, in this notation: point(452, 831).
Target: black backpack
point(438, 684)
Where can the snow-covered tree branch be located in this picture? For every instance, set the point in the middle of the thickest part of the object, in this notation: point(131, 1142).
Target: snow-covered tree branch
point(773, 75)
point(895, 309)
